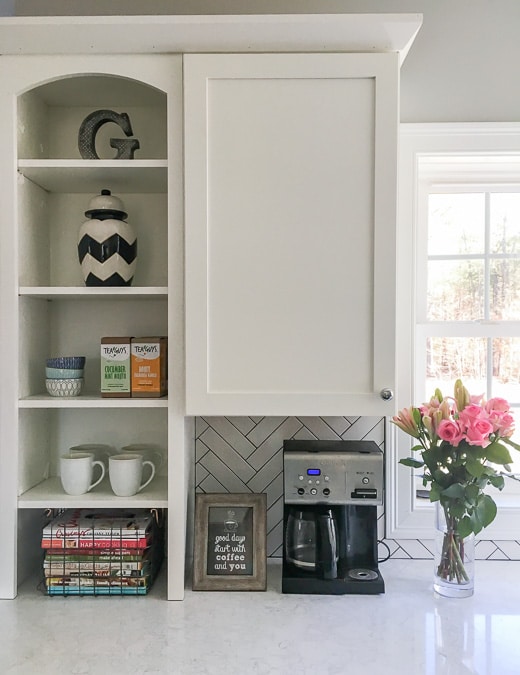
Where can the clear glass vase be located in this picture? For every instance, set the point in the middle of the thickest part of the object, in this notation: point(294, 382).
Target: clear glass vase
point(454, 558)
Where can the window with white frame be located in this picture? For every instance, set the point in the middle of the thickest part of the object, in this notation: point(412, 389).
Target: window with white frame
point(459, 296)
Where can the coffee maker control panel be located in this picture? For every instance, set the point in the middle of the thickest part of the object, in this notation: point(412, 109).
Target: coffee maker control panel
point(351, 477)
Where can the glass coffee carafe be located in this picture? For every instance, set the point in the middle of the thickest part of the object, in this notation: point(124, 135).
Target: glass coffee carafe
point(311, 540)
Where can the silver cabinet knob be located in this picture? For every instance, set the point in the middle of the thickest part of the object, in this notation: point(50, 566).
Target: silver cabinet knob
point(386, 394)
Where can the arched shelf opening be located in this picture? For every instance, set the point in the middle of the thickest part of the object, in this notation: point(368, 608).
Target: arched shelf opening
point(50, 115)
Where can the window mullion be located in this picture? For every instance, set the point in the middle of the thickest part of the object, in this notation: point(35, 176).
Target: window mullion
point(487, 246)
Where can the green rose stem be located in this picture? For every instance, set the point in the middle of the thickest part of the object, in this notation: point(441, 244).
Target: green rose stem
point(452, 556)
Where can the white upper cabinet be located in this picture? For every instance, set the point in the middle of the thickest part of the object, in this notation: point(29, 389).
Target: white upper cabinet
point(290, 185)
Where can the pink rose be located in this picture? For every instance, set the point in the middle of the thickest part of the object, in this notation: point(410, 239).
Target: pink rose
point(478, 433)
point(468, 416)
point(470, 413)
point(503, 423)
point(449, 431)
point(497, 405)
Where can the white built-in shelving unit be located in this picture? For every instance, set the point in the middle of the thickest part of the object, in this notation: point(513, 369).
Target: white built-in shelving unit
point(52, 311)
point(54, 71)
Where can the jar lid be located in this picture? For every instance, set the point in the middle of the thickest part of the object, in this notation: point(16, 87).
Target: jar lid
point(108, 205)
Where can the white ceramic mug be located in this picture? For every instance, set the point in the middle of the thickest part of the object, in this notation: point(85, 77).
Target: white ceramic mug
point(101, 451)
point(77, 470)
point(148, 451)
point(126, 473)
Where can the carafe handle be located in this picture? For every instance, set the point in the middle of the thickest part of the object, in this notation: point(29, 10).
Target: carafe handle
point(328, 546)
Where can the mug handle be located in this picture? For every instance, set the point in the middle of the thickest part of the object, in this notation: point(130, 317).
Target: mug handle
point(98, 481)
point(158, 458)
point(146, 461)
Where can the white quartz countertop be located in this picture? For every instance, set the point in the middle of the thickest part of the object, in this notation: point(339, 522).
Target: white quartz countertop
point(406, 631)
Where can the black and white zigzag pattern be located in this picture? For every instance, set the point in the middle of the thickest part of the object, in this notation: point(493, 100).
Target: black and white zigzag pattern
point(110, 262)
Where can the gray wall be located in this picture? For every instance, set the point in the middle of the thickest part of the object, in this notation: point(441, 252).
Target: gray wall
point(463, 67)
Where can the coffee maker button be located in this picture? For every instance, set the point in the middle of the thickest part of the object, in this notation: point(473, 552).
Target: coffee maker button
point(365, 480)
point(326, 478)
point(300, 477)
point(326, 492)
point(301, 491)
point(314, 491)
point(317, 482)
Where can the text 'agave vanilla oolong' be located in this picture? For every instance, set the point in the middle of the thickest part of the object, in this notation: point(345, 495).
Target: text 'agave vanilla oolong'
point(115, 367)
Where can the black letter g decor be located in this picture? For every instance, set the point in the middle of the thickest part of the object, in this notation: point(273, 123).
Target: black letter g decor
point(91, 125)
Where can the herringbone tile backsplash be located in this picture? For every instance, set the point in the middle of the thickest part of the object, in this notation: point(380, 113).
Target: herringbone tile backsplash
point(244, 454)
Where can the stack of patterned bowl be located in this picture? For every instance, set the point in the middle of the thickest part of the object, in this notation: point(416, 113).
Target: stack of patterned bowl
point(64, 375)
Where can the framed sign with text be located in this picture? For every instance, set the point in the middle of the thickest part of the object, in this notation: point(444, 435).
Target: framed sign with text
point(230, 542)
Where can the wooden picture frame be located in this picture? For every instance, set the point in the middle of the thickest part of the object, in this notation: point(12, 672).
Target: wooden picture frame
point(230, 542)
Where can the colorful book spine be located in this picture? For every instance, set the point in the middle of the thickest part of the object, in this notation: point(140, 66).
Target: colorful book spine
point(98, 582)
point(95, 543)
point(94, 555)
point(58, 570)
point(96, 590)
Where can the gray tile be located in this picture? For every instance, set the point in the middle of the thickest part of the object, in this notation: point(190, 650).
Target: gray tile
point(484, 549)
point(274, 442)
point(338, 424)
point(264, 429)
point(497, 555)
point(392, 545)
point(274, 541)
point(201, 473)
point(223, 474)
point(200, 426)
point(274, 490)
point(320, 429)
point(227, 454)
point(231, 435)
point(211, 484)
point(243, 424)
point(511, 549)
point(200, 450)
point(366, 428)
point(414, 548)
point(275, 515)
point(400, 553)
point(304, 434)
point(267, 473)
point(277, 552)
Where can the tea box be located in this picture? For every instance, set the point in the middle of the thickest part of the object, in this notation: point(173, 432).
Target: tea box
point(149, 358)
point(115, 367)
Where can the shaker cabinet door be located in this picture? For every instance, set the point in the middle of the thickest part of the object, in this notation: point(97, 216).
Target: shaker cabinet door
point(290, 190)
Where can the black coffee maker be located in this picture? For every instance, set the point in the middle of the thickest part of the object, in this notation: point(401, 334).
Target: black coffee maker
point(331, 493)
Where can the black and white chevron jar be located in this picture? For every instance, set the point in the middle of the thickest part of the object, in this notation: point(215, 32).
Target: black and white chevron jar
point(107, 246)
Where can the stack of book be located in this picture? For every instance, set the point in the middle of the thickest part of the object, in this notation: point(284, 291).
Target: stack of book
point(100, 552)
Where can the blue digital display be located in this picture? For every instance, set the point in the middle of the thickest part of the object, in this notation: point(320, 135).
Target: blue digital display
point(313, 472)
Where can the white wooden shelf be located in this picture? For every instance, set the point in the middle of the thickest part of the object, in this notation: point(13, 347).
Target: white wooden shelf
point(90, 175)
point(49, 494)
point(93, 293)
point(47, 401)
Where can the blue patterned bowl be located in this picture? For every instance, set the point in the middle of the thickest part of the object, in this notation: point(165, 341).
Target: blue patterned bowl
point(73, 362)
point(63, 373)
